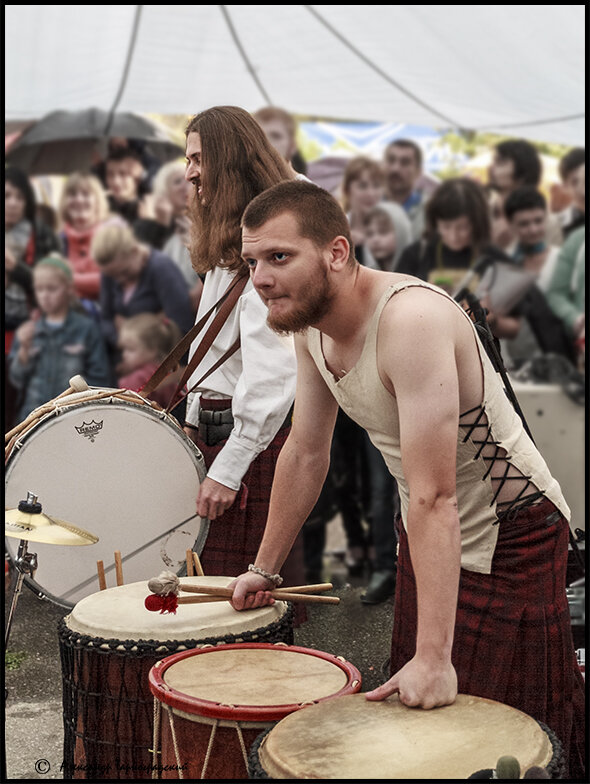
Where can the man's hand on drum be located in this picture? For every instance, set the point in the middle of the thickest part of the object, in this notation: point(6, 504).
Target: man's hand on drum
point(214, 498)
point(420, 684)
point(251, 591)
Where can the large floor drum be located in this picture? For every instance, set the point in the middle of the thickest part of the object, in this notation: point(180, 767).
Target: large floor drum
point(109, 643)
point(118, 467)
point(353, 738)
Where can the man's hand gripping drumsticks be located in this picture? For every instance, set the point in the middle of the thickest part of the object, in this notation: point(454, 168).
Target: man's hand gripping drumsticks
point(165, 594)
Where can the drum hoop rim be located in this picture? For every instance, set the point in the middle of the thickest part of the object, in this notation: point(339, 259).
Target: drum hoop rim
point(153, 647)
point(216, 710)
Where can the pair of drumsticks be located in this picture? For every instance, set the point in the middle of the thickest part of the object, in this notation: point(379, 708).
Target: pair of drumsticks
point(168, 584)
point(297, 593)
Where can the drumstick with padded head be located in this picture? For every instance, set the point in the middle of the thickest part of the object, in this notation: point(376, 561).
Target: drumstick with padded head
point(77, 384)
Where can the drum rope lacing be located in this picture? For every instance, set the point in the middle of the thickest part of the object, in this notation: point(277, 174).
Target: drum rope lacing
point(155, 751)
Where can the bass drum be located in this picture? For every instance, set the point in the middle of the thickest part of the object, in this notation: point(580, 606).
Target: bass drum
point(116, 465)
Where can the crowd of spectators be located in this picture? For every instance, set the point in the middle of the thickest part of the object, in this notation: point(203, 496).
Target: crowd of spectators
point(103, 285)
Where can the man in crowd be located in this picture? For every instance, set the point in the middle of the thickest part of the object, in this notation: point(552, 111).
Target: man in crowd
point(402, 161)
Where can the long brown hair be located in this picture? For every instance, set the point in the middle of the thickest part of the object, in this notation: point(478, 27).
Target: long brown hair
point(238, 163)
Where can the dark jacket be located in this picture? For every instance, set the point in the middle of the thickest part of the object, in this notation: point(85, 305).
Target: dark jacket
point(57, 354)
point(161, 288)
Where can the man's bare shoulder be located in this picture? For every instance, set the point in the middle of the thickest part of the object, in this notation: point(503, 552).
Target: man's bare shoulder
point(420, 307)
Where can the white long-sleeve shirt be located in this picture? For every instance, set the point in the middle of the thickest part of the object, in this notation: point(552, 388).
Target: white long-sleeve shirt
point(259, 378)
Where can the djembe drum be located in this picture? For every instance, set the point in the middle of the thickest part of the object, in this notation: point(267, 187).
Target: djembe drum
point(217, 701)
point(109, 643)
point(353, 738)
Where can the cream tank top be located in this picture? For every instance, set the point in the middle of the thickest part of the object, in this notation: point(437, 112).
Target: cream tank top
point(361, 394)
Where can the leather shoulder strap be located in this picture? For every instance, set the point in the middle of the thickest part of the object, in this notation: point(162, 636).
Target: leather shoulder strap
point(225, 305)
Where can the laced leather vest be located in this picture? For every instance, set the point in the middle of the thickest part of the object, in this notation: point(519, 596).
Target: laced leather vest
point(499, 469)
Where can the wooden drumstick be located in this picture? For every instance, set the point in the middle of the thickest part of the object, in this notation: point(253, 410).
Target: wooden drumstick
point(102, 583)
point(118, 567)
point(198, 567)
point(307, 588)
point(220, 591)
point(201, 599)
point(189, 564)
point(284, 596)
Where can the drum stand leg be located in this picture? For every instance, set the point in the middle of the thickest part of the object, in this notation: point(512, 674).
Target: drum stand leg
point(26, 563)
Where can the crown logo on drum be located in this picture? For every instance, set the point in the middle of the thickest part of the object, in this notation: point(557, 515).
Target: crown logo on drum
point(90, 429)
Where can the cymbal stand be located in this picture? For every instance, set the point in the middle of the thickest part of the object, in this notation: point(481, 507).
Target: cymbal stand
point(26, 563)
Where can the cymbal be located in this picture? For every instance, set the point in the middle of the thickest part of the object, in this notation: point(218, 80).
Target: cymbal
point(42, 528)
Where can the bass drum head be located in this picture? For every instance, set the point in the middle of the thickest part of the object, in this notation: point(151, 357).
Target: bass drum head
point(122, 471)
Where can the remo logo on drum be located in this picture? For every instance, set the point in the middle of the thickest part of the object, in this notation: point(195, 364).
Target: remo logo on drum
point(90, 429)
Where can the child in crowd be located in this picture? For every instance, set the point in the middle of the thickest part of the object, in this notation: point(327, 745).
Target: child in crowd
point(144, 341)
point(380, 237)
point(56, 343)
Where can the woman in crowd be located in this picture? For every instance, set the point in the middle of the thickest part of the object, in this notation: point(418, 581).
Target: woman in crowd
point(171, 193)
point(137, 279)
point(457, 235)
point(83, 209)
point(31, 239)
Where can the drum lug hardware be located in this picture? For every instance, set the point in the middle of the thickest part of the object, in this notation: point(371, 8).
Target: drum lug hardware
point(284, 644)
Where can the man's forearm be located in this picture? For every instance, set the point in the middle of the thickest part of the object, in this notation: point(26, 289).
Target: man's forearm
point(298, 481)
point(435, 548)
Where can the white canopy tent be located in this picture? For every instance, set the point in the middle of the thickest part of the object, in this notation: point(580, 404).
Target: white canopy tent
point(511, 69)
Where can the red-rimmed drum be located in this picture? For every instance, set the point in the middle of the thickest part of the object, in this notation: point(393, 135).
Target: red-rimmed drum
point(116, 465)
point(109, 643)
point(216, 702)
point(353, 738)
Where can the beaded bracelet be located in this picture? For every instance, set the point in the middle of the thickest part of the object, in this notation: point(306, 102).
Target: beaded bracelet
point(274, 578)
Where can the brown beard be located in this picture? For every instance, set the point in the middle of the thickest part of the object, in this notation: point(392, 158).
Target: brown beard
point(310, 312)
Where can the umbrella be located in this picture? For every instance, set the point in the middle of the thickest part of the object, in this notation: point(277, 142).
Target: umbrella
point(64, 142)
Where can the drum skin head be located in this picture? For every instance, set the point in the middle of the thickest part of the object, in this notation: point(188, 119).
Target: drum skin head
point(119, 470)
point(351, 737)
point(119, 613)
point(251, 681)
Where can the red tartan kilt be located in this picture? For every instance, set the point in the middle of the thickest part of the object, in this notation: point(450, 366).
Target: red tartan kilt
point(234, 538)
point(513, 638)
